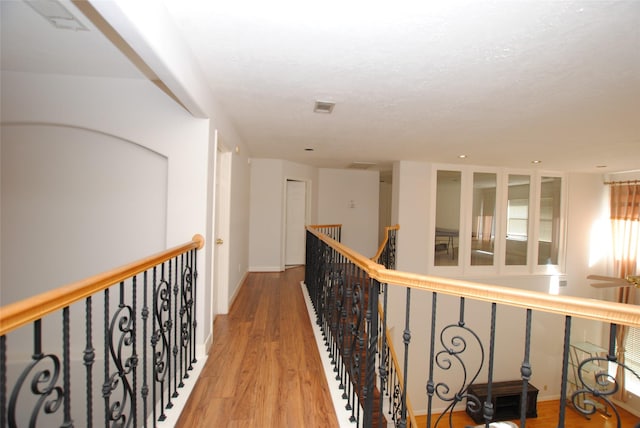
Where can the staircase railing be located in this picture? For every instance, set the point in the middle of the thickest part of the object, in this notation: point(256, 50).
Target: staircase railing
point(126, 372)
point(392, 383)
point(462, 345)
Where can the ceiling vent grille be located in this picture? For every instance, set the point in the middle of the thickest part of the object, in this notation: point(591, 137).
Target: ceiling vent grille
point(361, 165)
point(323, 107)
point(54, 12)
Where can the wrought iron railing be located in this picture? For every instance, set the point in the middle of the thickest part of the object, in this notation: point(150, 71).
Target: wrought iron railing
point(345, 289)
point(127, 371)
point(333, 231)
point(386, 254)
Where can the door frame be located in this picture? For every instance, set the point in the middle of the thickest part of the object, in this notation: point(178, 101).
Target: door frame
point(221, 227)
point(307, 213)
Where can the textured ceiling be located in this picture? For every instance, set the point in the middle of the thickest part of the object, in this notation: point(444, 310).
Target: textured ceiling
point(504, 82)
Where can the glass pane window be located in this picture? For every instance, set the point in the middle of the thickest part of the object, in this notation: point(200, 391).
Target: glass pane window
point(549, 222)
point(447, 218)
point(483, 227)
point(517, 220)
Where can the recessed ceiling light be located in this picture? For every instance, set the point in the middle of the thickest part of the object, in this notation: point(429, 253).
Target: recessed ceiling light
point(462, 156)
point(535, 162)
point(323, 107)
point(54, 12)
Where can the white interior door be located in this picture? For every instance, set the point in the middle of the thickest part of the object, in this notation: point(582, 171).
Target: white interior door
point(295, 222)
point(221, 231)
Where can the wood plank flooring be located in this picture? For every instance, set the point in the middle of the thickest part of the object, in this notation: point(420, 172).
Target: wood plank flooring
point(547, 418)
point(264, 368)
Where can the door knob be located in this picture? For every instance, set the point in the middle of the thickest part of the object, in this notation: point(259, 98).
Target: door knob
point(219, 241)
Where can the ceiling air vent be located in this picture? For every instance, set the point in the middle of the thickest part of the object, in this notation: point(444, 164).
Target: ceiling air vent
point(323, 107)
point(54, 12)
point(361, 165)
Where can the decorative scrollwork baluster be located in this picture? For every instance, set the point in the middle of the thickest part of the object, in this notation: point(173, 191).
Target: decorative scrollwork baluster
point(187, 320)
point(89, 357)
point(121, 337)
point(599, 389)
point(455, 343)
point(42, 384)
point(194, 313)
point(144, 391)
point(160, 339)
point(177, 326)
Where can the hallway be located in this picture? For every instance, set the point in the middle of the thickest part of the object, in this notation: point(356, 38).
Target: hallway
point(263, 368)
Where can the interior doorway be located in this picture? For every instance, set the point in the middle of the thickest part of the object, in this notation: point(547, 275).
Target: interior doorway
point(295, 220)
point(221, 229)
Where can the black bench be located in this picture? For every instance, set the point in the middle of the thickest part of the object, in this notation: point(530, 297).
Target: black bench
point(505, 397)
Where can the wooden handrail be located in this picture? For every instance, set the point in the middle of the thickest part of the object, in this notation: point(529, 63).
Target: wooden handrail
point(387, 229)
point(599, 310)
point(26, 311)
point(320, 226)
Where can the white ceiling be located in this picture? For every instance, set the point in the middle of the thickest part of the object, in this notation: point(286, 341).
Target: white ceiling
point(504, 82)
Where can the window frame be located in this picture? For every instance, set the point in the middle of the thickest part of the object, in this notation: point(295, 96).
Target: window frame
point(499, 266)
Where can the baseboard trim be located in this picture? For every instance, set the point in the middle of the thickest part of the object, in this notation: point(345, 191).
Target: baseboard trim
point(334, 386)
point(203, 349)
point(180, 402)
point(265, 269)
point(239, 285)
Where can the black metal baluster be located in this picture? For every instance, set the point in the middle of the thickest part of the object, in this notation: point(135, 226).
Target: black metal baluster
point(66, 369)
point(121, 338)
point(488, 410)
point(372, 322)
point(171, 351)
point(161, 363)
point(106, 386)
point(193, 281)
point(525, 371)
point(89, 358)
point(406, 338)
point(432, 343)
point(134, 352)
point(384, 357)
point(42, 383)
point(183, 327)
point(144, 392)
point(154, 344)
point(565, 370)
point(347, 359)
point(177, 325)
point(3, 381)
point(357, 340)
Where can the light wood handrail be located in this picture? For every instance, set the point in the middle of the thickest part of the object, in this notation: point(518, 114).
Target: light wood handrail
point(387, 229)
point(599, 310)
point(320, 226)
point(26, 311)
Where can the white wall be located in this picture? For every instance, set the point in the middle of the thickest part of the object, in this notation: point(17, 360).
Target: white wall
point(133, 110)
point(239, 222)
point(78, 202)
point(350, 198)
point(585, 202)
point(265, 221)
point(267, 208)
point(149, 29)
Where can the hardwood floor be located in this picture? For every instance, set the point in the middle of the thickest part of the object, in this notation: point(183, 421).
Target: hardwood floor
point(547, 418)
point(263, 368)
